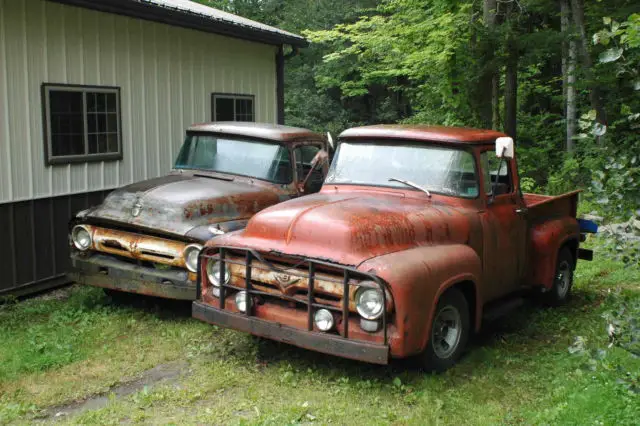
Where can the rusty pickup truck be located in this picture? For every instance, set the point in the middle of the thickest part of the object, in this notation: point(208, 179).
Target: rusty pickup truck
point(145, 238)
point(418, 235)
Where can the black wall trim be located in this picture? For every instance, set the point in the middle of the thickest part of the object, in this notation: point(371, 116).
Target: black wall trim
point(34, 247)
point(166, 15)
point(280, 84)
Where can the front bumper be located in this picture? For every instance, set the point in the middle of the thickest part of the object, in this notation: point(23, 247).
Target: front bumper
point(325, 343)
point(109, 272)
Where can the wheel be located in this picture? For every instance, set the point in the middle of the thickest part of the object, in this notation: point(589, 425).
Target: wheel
point(449, 332)
point(562, 280)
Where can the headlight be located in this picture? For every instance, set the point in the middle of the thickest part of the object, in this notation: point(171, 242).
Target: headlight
point(190, 254)
point(213, 273)
point(323, 319)
point(243, 301)
point(369, 303)
point(81, 237)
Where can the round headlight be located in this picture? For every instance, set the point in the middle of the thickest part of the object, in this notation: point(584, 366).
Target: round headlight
point(213, 273)
point(369, 303)
point(323, 319)
point(190, 255)
point(81, 237)
point(243, 301)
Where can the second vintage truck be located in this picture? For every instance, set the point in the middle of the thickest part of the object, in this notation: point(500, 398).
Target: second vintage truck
point(418, 234)
point(145, 238)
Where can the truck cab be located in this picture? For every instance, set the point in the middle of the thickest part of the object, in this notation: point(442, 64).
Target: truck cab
point(416, 235)
point(145, 238)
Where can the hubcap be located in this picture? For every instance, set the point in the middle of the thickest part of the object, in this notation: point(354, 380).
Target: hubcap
point(446, 332)
point(563, 278)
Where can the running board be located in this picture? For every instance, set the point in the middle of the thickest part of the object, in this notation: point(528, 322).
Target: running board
point(501, 308)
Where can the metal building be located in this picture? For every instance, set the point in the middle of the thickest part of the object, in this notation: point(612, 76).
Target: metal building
point(97, 94)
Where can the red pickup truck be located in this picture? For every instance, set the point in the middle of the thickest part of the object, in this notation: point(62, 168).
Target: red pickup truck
point(418, 235)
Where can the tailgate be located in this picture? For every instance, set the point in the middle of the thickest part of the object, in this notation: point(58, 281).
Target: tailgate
point(542, 207)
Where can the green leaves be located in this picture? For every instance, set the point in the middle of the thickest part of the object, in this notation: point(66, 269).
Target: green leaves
point(611, 55)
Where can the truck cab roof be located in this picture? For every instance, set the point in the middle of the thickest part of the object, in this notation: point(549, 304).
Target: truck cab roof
point(422, 133)
point(273, 132)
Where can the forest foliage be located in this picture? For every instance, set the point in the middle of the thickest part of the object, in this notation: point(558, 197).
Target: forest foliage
point(562, 77)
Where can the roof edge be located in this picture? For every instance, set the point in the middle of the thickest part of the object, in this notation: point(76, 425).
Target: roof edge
point(186, 19)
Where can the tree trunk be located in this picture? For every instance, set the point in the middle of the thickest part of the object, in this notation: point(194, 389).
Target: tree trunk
point(571, 95)
point(495, 102)
point(511, 77)
point(511, 88)
point(569, 55)
point(577, 12)
point(489, 81)
point(565, 10)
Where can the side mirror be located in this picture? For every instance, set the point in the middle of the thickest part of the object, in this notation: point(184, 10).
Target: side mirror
point(330, 140)
point(504, 147)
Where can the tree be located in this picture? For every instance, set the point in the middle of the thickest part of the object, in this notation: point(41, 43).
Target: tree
point(568, 73)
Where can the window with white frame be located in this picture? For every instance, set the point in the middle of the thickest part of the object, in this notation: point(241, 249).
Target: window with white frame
point(82, 123)
point(227, 107)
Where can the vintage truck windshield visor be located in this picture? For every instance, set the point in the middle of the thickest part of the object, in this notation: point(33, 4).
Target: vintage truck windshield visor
point(440, 170)
point(262, 160)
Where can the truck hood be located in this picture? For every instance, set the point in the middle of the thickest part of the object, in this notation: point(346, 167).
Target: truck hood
point(349, 228)
point(177, 203)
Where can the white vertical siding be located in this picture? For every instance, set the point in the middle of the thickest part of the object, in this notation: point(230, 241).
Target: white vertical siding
point(166, 76)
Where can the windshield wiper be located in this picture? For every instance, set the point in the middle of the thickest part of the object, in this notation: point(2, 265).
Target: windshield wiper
point(411, 184)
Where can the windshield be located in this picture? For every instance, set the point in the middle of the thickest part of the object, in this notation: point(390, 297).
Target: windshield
point(262, 160)
point(439, 170)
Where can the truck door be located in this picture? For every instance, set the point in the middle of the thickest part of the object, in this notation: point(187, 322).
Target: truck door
point(504, 227)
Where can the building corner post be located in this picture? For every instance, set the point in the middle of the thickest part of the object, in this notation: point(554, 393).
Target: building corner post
point(280, 84)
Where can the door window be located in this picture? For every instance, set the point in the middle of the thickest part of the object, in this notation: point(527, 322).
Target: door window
point(304, 156)
point(501, 179)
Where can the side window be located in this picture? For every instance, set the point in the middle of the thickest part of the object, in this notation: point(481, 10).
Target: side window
point(304, 156)
point(82, 123)
point(226, 107)
point(491, 175)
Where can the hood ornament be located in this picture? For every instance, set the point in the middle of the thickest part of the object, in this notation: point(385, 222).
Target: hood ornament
point(285, 280)
point(136, 209)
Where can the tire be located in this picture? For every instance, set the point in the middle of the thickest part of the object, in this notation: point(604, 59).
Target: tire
point(447, 342)
point(562, 279)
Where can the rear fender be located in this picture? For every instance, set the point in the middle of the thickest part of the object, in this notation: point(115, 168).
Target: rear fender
point(546, 240)
point(417, 277)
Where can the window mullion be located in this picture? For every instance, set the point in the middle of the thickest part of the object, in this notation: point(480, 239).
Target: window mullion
point(235, 109)
point(86, 123)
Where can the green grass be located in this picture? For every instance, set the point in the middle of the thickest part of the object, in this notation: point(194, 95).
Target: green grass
point(519, 370)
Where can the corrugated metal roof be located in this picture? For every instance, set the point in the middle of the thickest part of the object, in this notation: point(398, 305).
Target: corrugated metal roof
point(188, 14)
point(217, 15)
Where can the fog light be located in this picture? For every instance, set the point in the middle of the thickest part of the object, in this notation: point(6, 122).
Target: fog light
point(323, 319)
point(369, 325)
point(215, 291)
point(243, 301)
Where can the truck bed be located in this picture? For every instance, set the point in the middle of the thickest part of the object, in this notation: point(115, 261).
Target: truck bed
point(546, 206)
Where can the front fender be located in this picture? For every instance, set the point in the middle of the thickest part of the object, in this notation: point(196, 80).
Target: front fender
point(417, 277)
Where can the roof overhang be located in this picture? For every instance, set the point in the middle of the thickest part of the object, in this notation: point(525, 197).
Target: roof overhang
point(150, 11)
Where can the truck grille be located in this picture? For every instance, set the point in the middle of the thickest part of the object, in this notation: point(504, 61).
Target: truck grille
point(139, 247)
point(309, 283)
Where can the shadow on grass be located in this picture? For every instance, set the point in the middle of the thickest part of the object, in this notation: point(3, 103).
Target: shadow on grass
point(162, 308)
point(531, 329)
